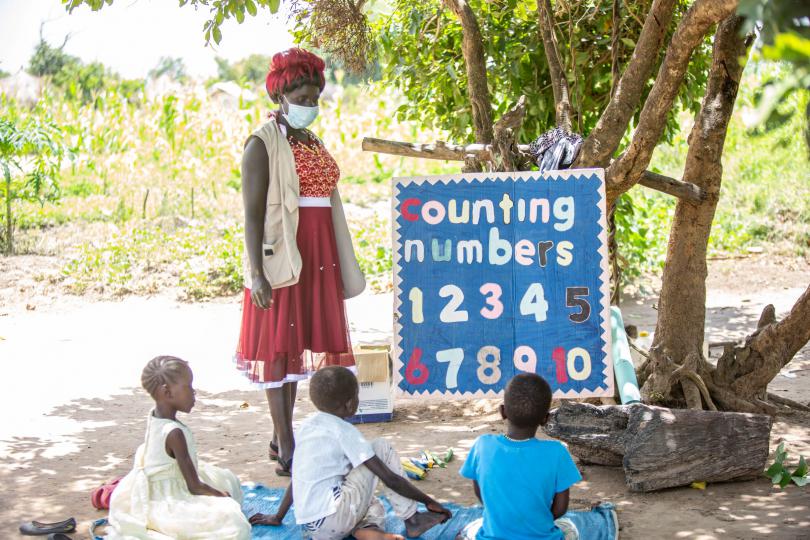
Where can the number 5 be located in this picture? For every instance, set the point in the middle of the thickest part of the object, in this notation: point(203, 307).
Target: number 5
point(574, 298)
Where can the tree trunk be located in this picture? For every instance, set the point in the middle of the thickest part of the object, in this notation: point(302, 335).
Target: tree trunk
point(679, 332)
point(475, 58)
point(559, 82)
point(677, 373)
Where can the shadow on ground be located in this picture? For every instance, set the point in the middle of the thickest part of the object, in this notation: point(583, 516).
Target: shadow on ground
point(51, 478)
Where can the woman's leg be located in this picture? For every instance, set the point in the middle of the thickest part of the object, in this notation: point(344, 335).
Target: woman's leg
point(290, 389)
point(280, 411)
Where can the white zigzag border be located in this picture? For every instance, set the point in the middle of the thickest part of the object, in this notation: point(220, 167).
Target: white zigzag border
point(604, 277)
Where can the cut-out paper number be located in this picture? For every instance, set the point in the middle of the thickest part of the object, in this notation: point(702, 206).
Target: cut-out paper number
point(417, 313)
point(415, 366)
point(451, 313)
point(492, 295)
point(454, 358)
point(566, 364)
point(575, 297)
point(534, 302)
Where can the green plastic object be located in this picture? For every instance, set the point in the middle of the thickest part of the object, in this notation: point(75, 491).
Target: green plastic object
point(626, 381)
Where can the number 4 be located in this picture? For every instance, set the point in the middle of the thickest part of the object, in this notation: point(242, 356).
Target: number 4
point(534, 302)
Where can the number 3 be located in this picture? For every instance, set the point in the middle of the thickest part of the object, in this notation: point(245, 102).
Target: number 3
point(492, 292)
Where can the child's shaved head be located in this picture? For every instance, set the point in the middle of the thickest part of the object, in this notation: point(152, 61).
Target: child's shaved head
point(331, 387)
point(526, 400)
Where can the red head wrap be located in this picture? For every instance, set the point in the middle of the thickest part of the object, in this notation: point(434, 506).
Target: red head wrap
point(291, 66)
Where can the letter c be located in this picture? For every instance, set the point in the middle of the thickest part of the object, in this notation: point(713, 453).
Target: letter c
point(407, 214)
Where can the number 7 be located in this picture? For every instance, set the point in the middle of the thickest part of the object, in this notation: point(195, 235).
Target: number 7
point(454, 357)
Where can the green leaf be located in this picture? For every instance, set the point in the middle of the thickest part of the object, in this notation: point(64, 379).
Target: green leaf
point(273, 4)
point(217, 34)
point(240, 15)
point(629, 42)
point(800, 481)
point(801, 470)
point(775, 472)
point(780, 453)
point(251, 7)
point(785, 481)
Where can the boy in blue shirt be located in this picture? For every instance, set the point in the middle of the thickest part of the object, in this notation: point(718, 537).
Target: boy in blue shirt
point(522, 481)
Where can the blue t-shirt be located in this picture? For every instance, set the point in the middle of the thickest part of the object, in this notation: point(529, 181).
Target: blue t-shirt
point(518, 481)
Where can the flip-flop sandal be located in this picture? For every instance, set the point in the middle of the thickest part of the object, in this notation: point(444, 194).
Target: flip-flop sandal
point(37, 528)
point(286, 467)
point(272, 451)
point(101, 522)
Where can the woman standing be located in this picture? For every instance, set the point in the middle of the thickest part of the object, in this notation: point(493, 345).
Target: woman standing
point(300, 263)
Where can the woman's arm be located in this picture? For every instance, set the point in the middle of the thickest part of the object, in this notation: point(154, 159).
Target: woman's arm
point(255, 182)
point(278, 517)
point(560, 504)
point(177, 448)
point(403, 486)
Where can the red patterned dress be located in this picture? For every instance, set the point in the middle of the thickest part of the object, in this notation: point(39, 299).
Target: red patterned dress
point(306, 327)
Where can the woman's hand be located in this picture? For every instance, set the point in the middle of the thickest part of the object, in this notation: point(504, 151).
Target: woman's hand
point(261, 293)
point(265, 519)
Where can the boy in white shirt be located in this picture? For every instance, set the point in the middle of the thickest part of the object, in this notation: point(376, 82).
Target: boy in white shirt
point(336, 470)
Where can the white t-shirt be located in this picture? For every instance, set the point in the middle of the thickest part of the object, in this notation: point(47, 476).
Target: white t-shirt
point(327, 448)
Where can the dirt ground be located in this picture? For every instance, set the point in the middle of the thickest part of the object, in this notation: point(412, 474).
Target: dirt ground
point(73, 413)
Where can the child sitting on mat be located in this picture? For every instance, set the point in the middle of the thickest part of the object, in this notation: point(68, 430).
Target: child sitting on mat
point(169, 494)
point(336, 470)
point(523, 481)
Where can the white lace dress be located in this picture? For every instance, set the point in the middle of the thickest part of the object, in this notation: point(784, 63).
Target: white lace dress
point(153, 502)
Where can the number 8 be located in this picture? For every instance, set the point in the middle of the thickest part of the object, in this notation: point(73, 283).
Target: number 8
point(486, 365)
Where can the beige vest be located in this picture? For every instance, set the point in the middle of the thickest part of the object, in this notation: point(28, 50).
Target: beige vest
point(283, 267)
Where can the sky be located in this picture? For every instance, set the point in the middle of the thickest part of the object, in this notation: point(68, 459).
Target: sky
point(131, 35)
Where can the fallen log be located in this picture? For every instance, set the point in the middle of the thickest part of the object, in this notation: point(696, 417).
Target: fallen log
point(661, 448)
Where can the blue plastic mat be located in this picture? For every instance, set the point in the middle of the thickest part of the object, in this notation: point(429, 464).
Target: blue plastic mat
point(597, 524)
point(259, 498)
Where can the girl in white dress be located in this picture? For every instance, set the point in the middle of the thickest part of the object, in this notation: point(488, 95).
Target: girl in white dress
point(169, 494)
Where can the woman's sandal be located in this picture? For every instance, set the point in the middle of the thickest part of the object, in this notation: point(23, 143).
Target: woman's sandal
point(272, 451)
point(36, 528)
point(286, 467)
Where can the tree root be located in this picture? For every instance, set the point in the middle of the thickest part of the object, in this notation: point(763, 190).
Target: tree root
point(788, 402)
point(684, 372)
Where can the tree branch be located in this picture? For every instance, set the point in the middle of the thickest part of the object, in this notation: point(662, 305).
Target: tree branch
point(701, 16)
point(483, 152)
point(559, 82)
point(472, 48)
point(604, 139)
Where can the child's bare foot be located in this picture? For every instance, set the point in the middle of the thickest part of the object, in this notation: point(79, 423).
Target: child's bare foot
point(421, 522)
point(372, 533)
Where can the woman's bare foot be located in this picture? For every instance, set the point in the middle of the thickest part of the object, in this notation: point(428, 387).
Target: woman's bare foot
point(372, 533)
point(421, 522)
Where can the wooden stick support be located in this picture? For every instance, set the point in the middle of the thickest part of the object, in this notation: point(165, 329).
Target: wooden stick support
point(483, 152)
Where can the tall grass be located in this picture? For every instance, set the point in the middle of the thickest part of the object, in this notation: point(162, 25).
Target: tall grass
point(152, 197)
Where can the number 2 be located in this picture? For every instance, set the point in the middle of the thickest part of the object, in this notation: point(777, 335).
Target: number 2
point(451, 313)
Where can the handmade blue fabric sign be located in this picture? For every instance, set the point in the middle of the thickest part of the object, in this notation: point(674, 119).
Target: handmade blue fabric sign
point(501, 273)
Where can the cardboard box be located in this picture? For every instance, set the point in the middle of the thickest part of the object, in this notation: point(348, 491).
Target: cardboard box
point(375, 375)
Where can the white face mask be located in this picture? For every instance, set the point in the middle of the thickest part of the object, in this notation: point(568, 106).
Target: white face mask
point(299, 116)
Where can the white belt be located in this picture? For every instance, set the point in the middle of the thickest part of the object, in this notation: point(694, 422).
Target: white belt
point(314, 201)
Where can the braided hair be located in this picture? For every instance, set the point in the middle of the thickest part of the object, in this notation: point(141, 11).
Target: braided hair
point(162, 370)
